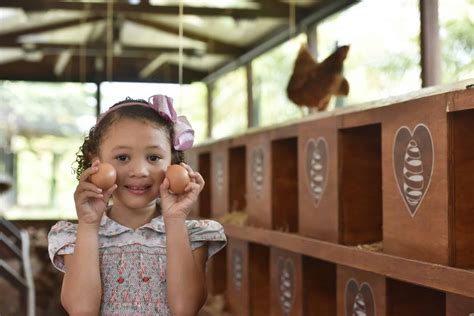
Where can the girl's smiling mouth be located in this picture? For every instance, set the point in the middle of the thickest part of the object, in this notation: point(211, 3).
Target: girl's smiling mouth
point(138, 189)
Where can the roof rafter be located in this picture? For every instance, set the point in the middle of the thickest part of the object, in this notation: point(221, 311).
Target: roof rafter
point(214, 46)
point(99, 49)
point(12, 37)
point(123, 71)
point(145, 7)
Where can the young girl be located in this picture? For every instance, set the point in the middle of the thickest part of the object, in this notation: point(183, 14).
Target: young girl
point(139, 256)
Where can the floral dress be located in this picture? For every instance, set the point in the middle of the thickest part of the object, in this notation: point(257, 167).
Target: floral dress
point(133, 262)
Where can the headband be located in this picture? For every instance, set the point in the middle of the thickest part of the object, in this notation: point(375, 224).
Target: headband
point(163, 105)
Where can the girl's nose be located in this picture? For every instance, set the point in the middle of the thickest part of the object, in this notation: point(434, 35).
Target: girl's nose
point(138, 169)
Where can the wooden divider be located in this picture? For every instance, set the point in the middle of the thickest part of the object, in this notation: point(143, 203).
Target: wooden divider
point(318, 179)
point(413, 300)
point(459, 305)
point(360, 185)
point(237, 178)
point(360, 293)
point(238, 276)
point(286, 282)
point(415, 179)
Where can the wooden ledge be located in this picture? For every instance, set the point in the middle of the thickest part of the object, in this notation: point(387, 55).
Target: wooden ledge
point(444, 278)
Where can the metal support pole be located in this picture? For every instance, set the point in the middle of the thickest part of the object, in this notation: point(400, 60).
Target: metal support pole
point(430, 47)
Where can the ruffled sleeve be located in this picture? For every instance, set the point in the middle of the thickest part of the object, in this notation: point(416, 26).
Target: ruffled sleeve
point(61, 241)
point(206, 231)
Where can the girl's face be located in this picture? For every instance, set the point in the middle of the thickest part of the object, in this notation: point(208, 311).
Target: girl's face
point(140, 152)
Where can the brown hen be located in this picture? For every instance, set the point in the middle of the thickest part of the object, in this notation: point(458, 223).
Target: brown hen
point(313, 84)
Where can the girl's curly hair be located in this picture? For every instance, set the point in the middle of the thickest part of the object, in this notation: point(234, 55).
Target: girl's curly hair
point(92, 142)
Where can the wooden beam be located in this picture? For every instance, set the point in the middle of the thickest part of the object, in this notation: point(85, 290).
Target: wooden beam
point(12, 37)
point(216, 46)
point(125, 69)
point(121, 7)
point(275, 8)
point(153, 66)
point(99, 49)
point(430, 47)
point(444, 278)
point(63, 60)
point(12, 276)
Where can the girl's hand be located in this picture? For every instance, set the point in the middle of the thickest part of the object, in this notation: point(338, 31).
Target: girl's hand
point(90, 200)
point(179, 206)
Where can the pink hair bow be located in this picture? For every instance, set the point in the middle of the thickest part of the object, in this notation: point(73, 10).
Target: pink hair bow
point(183, 132)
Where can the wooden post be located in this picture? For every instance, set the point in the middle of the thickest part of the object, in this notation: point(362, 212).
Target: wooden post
point(98, 98)
point(312, 35)
point(210, 90)
point(252, 106)
point(430, 48)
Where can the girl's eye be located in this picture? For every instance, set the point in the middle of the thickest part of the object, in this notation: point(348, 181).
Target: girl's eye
point(154, 158)
point(121, 158)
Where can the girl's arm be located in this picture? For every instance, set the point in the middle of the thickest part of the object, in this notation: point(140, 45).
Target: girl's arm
point(82, 291)
point(186, 281)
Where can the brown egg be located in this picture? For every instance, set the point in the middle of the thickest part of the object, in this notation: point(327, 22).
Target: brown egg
point(105, 177)
point(178, 178)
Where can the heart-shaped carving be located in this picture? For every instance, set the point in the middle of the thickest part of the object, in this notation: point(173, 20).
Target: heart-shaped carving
point(359, 300)
point(316, 167)
point(257, 170)
point(219, 167)
point(413, 161)
point(286, 283)
point(237, 268)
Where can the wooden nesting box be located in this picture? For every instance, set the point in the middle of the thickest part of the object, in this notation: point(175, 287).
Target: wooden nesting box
point(248, 278)
point(360, 178)
point(286, 297)
point(258, 162)
point(237, 175)
point(203, 165)
point(459, 305)
point(415, 179)
point(272, 179)
point(219, 179)
point(238, 276)
point(317, 176)
point(284, 179)
point(360, 292)
point(259, 279)
point(216, 273)
point(319, 287)
point(461, 170)
point(412, 300)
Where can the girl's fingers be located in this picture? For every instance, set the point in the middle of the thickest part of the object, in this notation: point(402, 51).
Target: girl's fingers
point(192, 187)
point(109, 192)
point(193, 175)
point(199, 179)
point(87, 186)
point(88, 195)
point(165, 184)
point(164, 188)
point(88, 172)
